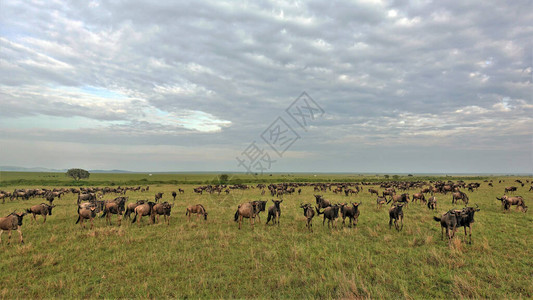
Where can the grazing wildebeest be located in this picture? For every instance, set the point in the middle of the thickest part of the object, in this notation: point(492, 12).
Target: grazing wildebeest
point(380, 201)
point(174, 195)
point(419, 196)
point(309, 213)
point(197, 209)
point(403, 198)
point(131, 207)
point(466, 220)
point(321, 202)
point(331, 213)
point(449, 221)
point(260, 206)
point(181, 191)
point(116, 207)
point(162, 209)
point(432, 202)
point(396, 214)
point(373, 191)
point(42, 209)
point(143, 210)
point(158, 196)
point(11, 222)
point(274, 212)
point(387, 193)
point(86, 197)
point(507, 202)
point(246, 210)
point(86, 213)
point(510, 189)
point(459, 195)
point(350, 212)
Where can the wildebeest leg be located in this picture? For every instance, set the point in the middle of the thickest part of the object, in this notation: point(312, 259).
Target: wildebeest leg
point(390, 223)
point(44, 217)
point(470, 234)
point(1, 231)
point(20, 235)
point(8, 237)
point(240, 221)
point(92, 223)
point(34, 219)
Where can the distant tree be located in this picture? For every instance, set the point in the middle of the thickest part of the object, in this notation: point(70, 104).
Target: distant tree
point(395, 177)
point(387, 176)
point(78, 174)
point(410, 175)
point(223, 179)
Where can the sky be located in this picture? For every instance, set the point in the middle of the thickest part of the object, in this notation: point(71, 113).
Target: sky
point(268, 86)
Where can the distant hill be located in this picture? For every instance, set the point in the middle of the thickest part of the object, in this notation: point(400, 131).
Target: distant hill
point(38, 169)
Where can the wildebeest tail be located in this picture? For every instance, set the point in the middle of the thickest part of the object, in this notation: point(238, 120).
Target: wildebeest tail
point(134, 218)
point(28, 211)
point(318, 211)
point(436, 219)
point(78, 219)
point(236, 218)
point(105, 213)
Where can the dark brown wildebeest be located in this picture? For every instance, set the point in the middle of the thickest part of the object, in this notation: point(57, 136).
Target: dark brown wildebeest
point(403, 198)
point(158, 196)
point(490, 184)
point(419, 196)
point(350, 212)
point(380, 201)
point(246, 210)
point(86, 197)
point(373, 191)
point(331, 213)
point(181, 191)
point(321, 202)
point(449, 221)
point(260, 206)
point(510, 189)
point(131, 207)
point(86, 213)
point(42, 209)
point(432, 202)
point(396, 214)
point(466, 220)
point(274, 212)
point(162, 209)
point(11, 222)
point(143, 210)
point(309, 213)
point(115, 207)
point(459, 195)
point(387, 193)
point(507, 202)
point(197, 209)
point(174, 194)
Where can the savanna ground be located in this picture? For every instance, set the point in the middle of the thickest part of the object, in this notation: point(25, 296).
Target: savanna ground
point(214, 259)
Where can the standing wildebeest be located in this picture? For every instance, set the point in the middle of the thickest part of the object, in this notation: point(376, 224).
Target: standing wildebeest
point(396, 214)
point(321, 202)
point(131, 207)
point(466, 220)
point(373, 191)
point(42, 209)
point(450, 221)
point(181, 191)
point(510, 189)
point(352, 212)
point(432, 202)
point(403, 198)
point(459, 195)
point(174, 195)
point(116, 207)
point(507, 202)
point(274, 212)
point(86, 212)
point(331, 213)
point(197, 209)
point(260, 206)
point(86, 197)
point(162, 209)
point(143, 210)
point(380, 201)
point(247, 210)
point(309, 213)
point(12, 222)
point(158, 196)
point(419, 196)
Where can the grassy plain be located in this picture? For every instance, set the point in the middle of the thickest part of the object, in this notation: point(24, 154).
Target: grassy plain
point(214, 259)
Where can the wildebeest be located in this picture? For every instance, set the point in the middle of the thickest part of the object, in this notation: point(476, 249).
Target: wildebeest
point(351, 212)
point(449, 221)
point(396, 215)
point(507, 202)
point(510, 189)
point(274, 212)
point(432, 202)
point(116, 207)
point(143, 210)
point(331, 213)
point(419, 196)
point(13, 221)
point(42, 209)
point(260, 206)
point(158, 196)
point(309, 213)
point(197, 209)
point(403, 198)
point(466, 220)
point(380, 201)
point(459, 196)
point(373, 191)
point(86, 212)
point(174, 194)
point(321, 202)
point(131, 207)
point(86, 197)
point(246, 210)
point(163, 209)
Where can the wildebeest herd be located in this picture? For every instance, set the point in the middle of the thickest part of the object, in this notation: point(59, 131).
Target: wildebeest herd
point(89, 203)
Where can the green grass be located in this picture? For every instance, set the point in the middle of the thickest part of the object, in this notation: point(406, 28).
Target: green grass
point(214, 259)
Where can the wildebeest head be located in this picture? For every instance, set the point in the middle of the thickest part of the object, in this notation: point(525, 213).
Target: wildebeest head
point(19, 217)
point(49, 207)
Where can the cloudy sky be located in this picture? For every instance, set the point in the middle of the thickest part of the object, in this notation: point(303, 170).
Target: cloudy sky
point(429, 86)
